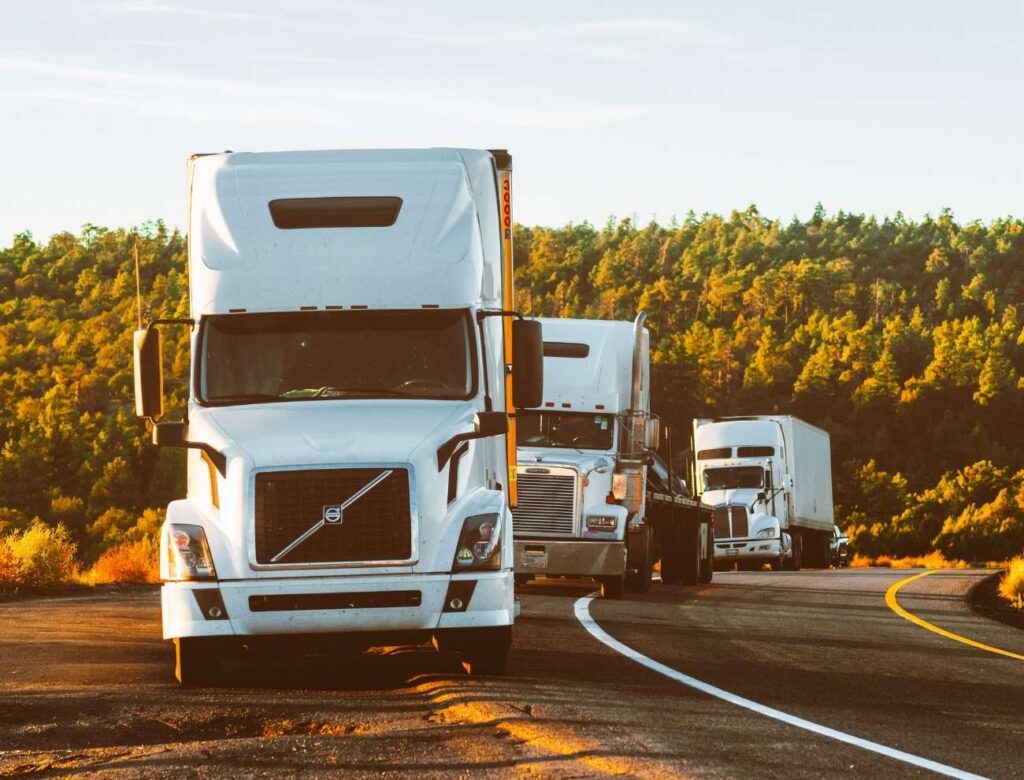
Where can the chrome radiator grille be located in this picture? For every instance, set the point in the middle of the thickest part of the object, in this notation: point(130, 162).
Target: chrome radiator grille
point(352, 524)
point(547, 504)
point(731, 522)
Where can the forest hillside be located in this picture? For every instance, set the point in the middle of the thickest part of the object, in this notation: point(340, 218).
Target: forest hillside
point(904, 339)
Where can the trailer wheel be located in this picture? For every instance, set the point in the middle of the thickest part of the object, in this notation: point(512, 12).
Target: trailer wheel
point(689, 554)
point(195, 662)
point(613, 587)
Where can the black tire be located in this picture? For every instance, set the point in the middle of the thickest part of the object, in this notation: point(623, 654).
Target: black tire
point(613, 587)
point(794, 562)
point(689, 554)
point(484, 651)
point(522, 579)
point(195, 662)
point(707, 566)
point(778, 564)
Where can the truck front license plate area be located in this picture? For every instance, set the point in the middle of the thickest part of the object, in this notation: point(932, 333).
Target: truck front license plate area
point(535, 557)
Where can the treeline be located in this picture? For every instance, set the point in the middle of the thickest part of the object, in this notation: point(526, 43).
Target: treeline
point(903, 339)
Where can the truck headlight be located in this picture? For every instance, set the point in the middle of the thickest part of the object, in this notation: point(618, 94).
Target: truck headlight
point(478, 543)
point(188, 553)
point(602, 523)
point(766, 533)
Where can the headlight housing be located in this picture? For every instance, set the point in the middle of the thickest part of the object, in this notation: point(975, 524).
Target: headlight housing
point(189, 553)
point(766, 533)
point(602, 522)
point(478, 546)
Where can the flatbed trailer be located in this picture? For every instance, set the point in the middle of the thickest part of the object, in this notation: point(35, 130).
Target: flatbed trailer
point(684, 537)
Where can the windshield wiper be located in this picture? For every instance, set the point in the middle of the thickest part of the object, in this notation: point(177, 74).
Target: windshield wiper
point(242, 398)
point(348, 392)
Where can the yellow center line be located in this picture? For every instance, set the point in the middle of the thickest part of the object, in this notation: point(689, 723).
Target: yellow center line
point(894, 605)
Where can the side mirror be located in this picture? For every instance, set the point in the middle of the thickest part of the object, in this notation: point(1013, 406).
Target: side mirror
point(170, 434)
point(652, 433)
point(149, 374)
point(528, 364)
point(491, 424)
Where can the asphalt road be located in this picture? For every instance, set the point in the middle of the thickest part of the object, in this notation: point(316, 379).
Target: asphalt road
point(86, 688)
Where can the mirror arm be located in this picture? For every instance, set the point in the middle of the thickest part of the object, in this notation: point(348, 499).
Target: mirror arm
point(483, 313)
point(217, 458)
point(173, 429)
point(172, 321)
point(446, 450)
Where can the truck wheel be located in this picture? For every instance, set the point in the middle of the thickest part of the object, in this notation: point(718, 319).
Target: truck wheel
point(707, 566)
point(483, 650)
point(195, 663)
point(794, 562)
point(778, 564)
point(613, 587)
point(689, 554)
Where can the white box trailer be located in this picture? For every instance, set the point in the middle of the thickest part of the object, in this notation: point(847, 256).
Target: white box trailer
point(769, 478)
point(351, 461)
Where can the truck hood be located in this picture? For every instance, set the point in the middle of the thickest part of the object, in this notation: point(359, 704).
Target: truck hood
point(744, 496)
point(548, 456)
point(340, 432)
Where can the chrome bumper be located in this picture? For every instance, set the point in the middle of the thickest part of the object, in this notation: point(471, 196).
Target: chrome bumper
point(570, 557)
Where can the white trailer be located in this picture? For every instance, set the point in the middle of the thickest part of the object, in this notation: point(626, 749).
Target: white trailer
point(769, 478)
point(586, 492)
point(349, 478)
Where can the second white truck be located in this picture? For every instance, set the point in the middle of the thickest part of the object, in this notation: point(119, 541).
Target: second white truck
point(589, 505)
point(769, 479)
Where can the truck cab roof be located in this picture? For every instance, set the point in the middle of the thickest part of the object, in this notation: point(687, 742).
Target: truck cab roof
point(404, 228)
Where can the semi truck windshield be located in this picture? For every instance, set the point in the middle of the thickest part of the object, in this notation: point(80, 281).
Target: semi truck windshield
point(734, 477)
point(551, 429)
point(288, 356)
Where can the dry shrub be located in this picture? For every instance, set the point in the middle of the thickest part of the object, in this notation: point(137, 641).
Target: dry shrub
point(8, 566)
point(136, 561)
point(933, 560)
point(1012, 585)
point(43, 556)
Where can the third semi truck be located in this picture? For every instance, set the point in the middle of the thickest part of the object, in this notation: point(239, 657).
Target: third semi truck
point(769, 478)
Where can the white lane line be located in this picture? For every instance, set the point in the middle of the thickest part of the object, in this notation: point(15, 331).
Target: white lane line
point(582, 609)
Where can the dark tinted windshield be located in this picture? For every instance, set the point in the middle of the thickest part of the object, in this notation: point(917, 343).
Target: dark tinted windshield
point(247, 358)
point(734, 477)
point(555, 429)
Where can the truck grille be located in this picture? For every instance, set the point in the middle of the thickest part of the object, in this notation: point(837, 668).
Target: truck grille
point(547, 505)
point(738, 527)
point(377, 526)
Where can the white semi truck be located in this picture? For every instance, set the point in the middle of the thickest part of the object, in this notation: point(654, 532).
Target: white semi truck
point(586, 495)
point(769, 479)
point(349, 454)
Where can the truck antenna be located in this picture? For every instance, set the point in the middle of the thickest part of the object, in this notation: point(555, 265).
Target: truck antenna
point(138, 284)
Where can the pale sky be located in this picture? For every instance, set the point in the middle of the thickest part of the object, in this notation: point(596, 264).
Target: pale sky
point(646, 109)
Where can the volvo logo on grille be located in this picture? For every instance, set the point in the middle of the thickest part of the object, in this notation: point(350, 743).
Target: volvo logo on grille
point(332, 514)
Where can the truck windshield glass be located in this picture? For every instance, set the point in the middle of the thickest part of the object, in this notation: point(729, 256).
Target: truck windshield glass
point(290, 356)
point(734, 477)
point(554, 429)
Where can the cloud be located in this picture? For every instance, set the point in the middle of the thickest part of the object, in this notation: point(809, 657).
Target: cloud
point(174, 9)
point(197, 98)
